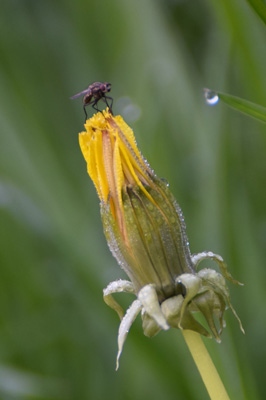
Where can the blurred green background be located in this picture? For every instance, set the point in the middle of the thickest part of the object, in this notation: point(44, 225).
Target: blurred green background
point(57, 337)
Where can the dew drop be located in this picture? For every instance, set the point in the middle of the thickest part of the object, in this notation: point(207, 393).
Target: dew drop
point(211, 97)
point(165, 181)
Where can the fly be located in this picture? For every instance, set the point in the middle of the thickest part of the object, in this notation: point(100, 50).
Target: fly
point(95, 92)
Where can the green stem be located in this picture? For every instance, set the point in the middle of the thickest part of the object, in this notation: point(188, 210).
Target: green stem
point(207, 370)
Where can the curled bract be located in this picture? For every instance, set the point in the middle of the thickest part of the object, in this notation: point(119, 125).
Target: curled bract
point(205, 292)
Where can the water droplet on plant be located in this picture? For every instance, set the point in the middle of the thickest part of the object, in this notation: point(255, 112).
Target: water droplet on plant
point(165, 181)
point(211, 97)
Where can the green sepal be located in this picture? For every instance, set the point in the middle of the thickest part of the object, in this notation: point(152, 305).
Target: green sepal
point(171, 308)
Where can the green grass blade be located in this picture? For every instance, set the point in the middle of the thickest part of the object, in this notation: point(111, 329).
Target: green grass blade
point(259, 7)
point(247, 107)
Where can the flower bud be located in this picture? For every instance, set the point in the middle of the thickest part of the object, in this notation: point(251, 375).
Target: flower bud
point(145, 230)
point(143, 224)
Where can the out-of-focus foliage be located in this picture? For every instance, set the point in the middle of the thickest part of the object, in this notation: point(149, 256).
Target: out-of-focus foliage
point(57, 337)
point(259, 7)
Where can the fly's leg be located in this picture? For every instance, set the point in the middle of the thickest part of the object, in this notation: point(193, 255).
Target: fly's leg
point(86, 101)
point(86, 115)
point(94, 105)
point(105, 100)
point(84, 108)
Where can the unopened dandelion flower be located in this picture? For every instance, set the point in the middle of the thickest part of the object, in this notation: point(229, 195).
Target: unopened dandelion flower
point(145, 230)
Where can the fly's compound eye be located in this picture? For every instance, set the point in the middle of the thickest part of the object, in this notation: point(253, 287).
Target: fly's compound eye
point(107, 86)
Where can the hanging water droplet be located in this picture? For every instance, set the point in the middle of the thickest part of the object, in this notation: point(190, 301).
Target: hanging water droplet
point(211, 97)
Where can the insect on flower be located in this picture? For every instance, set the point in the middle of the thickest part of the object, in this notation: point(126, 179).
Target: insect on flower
point(95, 92)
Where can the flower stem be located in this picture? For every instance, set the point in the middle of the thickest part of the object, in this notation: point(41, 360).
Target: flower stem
point(204, 363)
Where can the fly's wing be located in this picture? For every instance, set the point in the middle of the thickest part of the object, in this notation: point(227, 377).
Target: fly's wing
point(79, 94)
